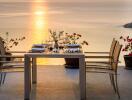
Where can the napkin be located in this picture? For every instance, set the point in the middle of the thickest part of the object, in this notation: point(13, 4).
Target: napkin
point(72, 50)
point(40, 45)
point(37, 49)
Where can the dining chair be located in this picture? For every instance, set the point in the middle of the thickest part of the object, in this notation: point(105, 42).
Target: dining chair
point(107, 58)
point(10, 65)
point(110, 69)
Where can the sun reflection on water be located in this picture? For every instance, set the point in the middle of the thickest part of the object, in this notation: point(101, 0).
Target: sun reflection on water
point(39, 22)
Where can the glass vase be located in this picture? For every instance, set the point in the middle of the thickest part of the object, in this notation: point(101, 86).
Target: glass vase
point(56, 45)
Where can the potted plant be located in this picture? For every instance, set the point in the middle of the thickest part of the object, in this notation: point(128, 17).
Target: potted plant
point(64, 40)
point(9, 43)
point(128, 49)
point(72, 38)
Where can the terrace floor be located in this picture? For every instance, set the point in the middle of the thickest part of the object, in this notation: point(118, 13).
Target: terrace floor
point(59, 83)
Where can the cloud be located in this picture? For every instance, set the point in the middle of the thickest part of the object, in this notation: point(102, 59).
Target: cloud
point(13, 14)
point(12, 1)
point(27, 14)
point(72, 1)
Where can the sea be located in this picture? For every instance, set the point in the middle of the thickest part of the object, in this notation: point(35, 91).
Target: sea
point(98, 21)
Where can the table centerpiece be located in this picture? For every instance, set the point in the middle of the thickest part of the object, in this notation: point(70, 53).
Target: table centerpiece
point(71, 44)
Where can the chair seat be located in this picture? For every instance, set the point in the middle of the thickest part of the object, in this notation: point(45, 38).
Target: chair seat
point(6, 65)
point(105, 62)
point(13, 69)
point(98, 64)
point(99, 70)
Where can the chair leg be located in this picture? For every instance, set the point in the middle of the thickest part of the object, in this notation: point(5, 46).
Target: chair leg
point(117, 88)
point(111, 79)
point(113, 82)
point(0, 78)
point(4, 76)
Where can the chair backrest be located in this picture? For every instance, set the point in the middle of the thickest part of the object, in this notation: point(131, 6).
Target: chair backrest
point(116, 55)
point(112, 48)
point(2, 48)
point(2, 51)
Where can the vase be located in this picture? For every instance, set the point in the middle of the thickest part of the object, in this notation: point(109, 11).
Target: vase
point(9, 54)
point(56, 45)
point(128, 62)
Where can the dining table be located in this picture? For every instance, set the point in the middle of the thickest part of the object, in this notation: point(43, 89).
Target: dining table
point(30, 70)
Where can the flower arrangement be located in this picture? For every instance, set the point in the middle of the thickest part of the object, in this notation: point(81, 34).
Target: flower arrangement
point(54, 36)
point(127, 45)
point(62, 39)
point(73, 39)
point(9, 43)
point(66, 38)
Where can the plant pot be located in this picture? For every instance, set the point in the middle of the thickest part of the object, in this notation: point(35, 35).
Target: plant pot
point(72, 63)
point(128, 62)
point(9, 59)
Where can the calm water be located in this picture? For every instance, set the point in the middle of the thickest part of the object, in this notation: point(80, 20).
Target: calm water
point(98, 20)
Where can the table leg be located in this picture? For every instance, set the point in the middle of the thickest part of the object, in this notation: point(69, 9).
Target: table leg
point(34, 71)
point(82, 78)
point(27, 78)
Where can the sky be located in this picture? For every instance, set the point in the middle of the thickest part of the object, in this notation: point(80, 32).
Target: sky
point(103, 2)
point(66, 0)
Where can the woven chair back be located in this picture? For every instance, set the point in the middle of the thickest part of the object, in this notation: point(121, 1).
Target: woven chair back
point(113, 45)
point(116, 56)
